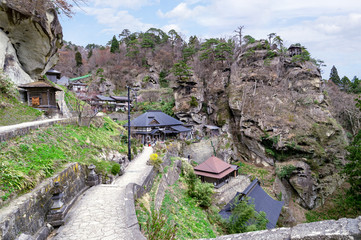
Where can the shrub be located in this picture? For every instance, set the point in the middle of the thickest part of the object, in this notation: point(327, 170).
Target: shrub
point(244, 218)
point(155, 161)
point(285, 171)
point(156, 227)
point(115, 169)
point(135, 150)
point(7, 87)
point(193, 102)
point(201, 192)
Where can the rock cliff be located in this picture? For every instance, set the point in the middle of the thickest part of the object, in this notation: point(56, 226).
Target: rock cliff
point(29, 40)
point(277, 112)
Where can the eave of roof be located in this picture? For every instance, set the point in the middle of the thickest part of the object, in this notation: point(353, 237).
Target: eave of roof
point(180, 128)
point(163, 119)
point(213, 175)
point(39, 84)
point(213, 165)
point(104, 98)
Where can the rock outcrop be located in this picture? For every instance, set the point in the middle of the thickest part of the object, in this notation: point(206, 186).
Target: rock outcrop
point(29, 40)
point(277, 112)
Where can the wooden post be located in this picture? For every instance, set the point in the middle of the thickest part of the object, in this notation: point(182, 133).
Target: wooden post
point(27, 93)
point(47, 94)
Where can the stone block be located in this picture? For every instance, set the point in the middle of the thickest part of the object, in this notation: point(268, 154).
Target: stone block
point(331, 229)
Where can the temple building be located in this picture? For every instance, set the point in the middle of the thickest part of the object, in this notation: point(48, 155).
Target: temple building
point(155, 125)
point(216, 171)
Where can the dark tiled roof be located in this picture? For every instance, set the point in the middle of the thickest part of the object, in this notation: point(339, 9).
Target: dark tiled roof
point(145, 119)
point(261, 200)
point(104, 98)
point(213, 165)
point(180, 128)
point(119, 98)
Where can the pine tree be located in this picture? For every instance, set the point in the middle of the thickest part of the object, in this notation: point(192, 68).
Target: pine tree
point(114, 47)
point(78, 59)
point(334, 76)
point(352, 169)
point(346, 84)
point(182, 71)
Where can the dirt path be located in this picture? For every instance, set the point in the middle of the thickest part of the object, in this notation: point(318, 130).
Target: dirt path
point(100, 212)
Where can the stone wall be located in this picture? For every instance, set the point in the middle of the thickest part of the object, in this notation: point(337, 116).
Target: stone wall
point(27, 214)
point(168, 178)
point(341, 229)
point(135, 191)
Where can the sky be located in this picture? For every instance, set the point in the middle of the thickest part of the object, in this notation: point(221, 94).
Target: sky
point(329, 29)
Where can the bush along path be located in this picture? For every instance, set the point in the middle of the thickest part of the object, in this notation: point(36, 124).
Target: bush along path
point(100, 212)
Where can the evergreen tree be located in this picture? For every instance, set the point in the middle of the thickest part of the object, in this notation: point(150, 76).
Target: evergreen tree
point(334, 76)
point(78, 59)
point(244, 218)
point(356, 85)
point(114, 47)
point(345, 84)
point(182, 71)
point(352, 169)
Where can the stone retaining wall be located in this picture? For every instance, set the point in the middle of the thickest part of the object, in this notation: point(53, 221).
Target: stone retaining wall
point(27, 214)
point(134, 191)
point(7, 135)
point(168, 179)
point(341, 229)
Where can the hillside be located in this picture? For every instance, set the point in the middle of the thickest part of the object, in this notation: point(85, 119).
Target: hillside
point(28, 160)
point(268, 100)
point(271, 104)
point(12, 111)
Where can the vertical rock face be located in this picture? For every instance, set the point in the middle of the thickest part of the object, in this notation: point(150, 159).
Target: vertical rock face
point(29, 40)
point(277, 112)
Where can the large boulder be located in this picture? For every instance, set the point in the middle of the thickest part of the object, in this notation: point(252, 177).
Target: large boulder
point(29, 40)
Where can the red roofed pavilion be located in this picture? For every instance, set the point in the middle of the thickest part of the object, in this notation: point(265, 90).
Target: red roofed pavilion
point(216, 171)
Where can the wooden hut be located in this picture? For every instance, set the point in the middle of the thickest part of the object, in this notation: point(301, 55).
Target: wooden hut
point(40, 95)
point(216, 171)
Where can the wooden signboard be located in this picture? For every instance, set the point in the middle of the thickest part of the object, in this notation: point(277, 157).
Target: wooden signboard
point(35, 101)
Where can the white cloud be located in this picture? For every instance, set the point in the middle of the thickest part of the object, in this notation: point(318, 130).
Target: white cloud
point(167, 28)
point(329, 29)
point(133, 4)
point(117, 20)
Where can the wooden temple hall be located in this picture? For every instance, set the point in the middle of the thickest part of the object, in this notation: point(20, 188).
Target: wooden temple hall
point(216, 171)
point(40, 95)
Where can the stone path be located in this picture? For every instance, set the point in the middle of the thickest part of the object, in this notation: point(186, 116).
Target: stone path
point(100, 211)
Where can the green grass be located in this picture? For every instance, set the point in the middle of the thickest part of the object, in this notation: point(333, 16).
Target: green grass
point(13, 112)
point(263, 174)
point(164, 106)
point(192, 221)
point(26, 161)
point(70, 99)
point(336, 206)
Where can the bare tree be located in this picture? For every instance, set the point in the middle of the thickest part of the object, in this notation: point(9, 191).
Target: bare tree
point(39, 7)
point(239, 34)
